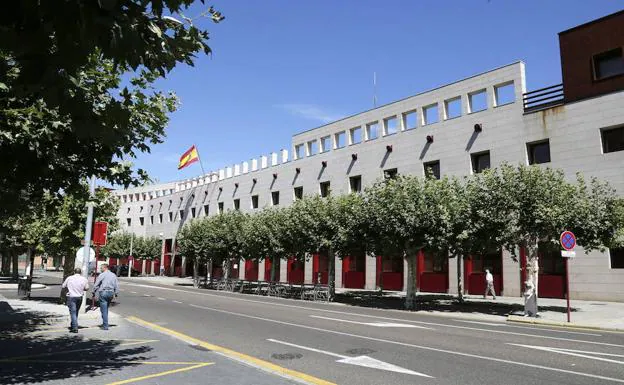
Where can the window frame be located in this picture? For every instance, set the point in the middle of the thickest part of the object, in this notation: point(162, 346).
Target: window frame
point(359, 185)
point(620, 255)
point(325, 189)
point(604, 54)
point(477, 155)
point(426, 165)
point(530, 147)
point(273, 195)
point(295, 191)
point(255, 202)
point(603, 139)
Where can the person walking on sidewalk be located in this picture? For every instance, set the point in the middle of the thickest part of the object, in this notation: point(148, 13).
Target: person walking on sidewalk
point(489, 284)
point(76, 286)
point(106, 288)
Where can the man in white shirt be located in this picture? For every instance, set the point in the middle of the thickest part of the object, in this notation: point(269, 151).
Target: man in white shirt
point(489, 281)
point(76, 286)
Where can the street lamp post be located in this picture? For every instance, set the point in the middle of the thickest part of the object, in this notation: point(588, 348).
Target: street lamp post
point(87, 238)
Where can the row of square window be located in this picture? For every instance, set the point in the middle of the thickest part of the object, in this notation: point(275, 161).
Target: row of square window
point(477, 101)
point(537, 153)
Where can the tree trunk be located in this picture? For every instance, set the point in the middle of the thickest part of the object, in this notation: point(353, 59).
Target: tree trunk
point(195, 272)
point(274, 267)
point(209, 275)
point(531, 247)
point(69, 264)
point(226, 268)
point(331, 274)
point(15, 262)
point(410, 298)
point(6, 263)
point(143, 263)
point(460, 283)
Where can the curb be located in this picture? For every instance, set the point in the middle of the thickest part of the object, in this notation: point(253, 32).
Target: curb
point(571, 325)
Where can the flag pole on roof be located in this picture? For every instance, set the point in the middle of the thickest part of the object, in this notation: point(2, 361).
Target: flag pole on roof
point(189, 157)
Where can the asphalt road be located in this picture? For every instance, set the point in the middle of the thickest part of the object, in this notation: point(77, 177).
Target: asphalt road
point(349, 345)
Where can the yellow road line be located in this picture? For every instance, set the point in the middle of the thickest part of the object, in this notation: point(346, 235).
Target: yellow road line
point(125, 362)
point(264, 365)
point(135, 379)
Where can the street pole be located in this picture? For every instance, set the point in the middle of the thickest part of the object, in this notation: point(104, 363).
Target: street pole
point(567, 283)
point(130, 261)
point(87, 239)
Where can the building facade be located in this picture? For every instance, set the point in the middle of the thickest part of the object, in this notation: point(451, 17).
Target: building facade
point(457, 129)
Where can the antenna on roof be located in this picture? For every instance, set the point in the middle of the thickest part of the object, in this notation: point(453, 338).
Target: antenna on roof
point(374, 89)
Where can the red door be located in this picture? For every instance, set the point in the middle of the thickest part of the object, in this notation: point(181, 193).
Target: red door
point(354, 272)
point(474, 272)
point(251, 270)
point(320, 268)
point(295, 271)
point(551, 277)
point(390, 273)
point(432, 273)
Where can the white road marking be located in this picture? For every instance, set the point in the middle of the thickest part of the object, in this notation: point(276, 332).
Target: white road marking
point(234, 297)
point(161, 298)
point(577, 353)
point(133, 292)
point(377, 324)
point(146, 295)
point(480, 323)
point(177, 301)
point(364, 361)
point(416, 346)
point(554, 331)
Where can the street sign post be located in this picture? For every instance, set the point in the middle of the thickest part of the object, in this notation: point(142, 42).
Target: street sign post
point(568, 242)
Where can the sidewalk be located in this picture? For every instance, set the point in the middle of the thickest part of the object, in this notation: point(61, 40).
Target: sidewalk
point(584, 314)
point(37, 348)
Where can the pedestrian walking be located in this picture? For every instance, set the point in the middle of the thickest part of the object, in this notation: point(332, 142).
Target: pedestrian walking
point(489, 284)
point(162, 271)
point(106, 288)
point(76, 286)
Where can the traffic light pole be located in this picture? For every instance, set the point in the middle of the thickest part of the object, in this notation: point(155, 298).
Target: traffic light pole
point(87, 237)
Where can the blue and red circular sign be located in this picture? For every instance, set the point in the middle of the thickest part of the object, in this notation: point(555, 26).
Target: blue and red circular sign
point(568, 240)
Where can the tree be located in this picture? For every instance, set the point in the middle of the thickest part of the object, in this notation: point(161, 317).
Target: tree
point(146, 249)
point(537, 204)
point(118, 245)
point(224, 239)
point(76, 89)
point(194, 244)
point(397, 220)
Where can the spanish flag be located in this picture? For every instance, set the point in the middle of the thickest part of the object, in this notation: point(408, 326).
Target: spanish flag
point(189, 157)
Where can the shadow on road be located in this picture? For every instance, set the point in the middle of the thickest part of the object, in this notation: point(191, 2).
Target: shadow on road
point(28, 357)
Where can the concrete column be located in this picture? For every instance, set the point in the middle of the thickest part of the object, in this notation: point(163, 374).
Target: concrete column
point(511, 276)
point(452, 272)
point(283, 270)
point(307, 272)
point(491, 97)
point(338, 272)
point(143, 268)
point(241, 269)
point(261, 265)
point(371, 273)
point(284, 156)
point(173, 256)
point(183, 268)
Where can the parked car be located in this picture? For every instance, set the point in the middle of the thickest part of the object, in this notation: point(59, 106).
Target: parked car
point(122, 271)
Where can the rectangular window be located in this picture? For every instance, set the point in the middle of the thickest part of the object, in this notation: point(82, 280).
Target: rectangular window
point(410, 120)
point(355, 184)
point(430, 114)
point(325, 143)
point(539, 152)
point(617, 258)
point(390, 125)
point(504, 94)
point(355, 135)
point(432, 169)
point(181, 215)
point(142, 221)
point(206, 210)
point(324, 186)
point(237, 204)
point(391, 173)
point(480, 161)
point(151, 219)
point(613, 139)
point(170, 216)
point(608, 64)
point(340, 139)
point(452, 108)
point(275, 198)
point(193, 212)
point(220, 207)
point(299, 151)
point(141, 209)
point(312, 147)
point(298, 192)
point(254, 201)
point(160, 218)
point(129, 221)
point(372, 131)
point(477, 101)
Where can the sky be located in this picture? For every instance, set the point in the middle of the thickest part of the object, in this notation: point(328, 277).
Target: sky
point(280, 67)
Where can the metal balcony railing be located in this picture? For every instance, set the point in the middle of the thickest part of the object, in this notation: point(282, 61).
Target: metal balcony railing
point(543, 98)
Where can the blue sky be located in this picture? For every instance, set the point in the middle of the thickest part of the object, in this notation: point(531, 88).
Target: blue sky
point(280, 66)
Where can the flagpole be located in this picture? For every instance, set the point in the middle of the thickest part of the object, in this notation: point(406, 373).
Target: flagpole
point(200, 161)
